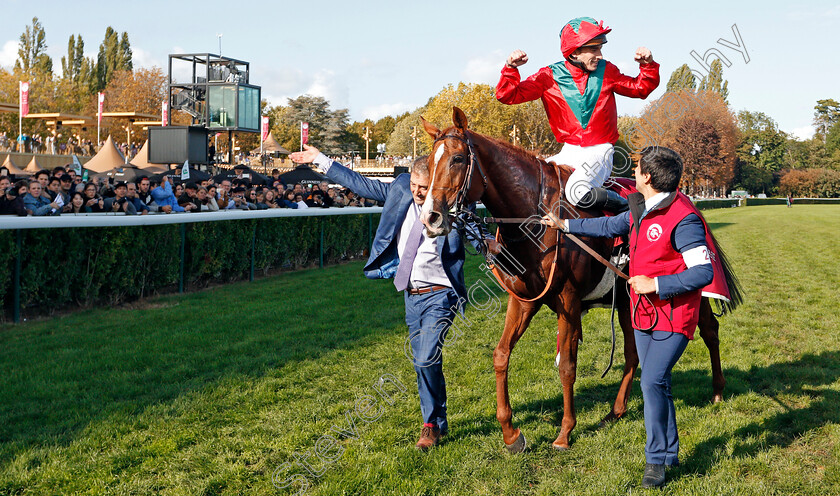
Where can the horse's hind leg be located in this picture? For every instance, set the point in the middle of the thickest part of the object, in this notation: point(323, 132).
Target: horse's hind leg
point(631, 358)
point(517, 318)
point(709, 327)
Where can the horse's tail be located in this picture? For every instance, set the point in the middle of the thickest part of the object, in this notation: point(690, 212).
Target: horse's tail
point(736, 292)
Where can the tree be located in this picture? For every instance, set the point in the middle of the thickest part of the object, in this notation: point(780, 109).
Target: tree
point(401, 142)
point(819, 183)
point(327, 128)
point(663, 118)
point(114, 55)
point(380, 132)
point(32, 51)
point(807, 154)
point(681, 79)
point(762, 144)
point(138, 91)
point(826, 114)
point(713, 81)
point(125, 53)
point(698, 144)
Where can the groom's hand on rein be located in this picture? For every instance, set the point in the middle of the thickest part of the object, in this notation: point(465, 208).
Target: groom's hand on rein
point(553, 222)
point(642, 284)
point(493, 246)
point(308, 154)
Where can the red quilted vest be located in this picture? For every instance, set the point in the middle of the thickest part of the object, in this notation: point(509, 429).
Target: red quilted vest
point(652, 254)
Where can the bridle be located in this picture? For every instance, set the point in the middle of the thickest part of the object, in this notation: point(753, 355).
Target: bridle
point(461, 198)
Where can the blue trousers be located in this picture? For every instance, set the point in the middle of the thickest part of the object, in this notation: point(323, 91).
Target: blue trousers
point(428, 317)
point(658, 352)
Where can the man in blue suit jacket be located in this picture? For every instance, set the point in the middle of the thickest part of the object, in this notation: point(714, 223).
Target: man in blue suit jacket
point(433, 284)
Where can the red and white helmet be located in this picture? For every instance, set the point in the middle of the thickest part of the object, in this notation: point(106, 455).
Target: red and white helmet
point(583, 31)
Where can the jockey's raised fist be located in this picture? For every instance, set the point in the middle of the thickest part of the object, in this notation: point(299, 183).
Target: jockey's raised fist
point(643, 56)
point(517, 58)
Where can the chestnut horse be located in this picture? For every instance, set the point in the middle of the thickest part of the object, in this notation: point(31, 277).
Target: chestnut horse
point(465, 167)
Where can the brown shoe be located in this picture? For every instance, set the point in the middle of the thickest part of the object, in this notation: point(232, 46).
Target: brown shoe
point(429, 437)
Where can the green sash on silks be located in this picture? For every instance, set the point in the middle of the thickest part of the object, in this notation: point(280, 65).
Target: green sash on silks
point(582, 105)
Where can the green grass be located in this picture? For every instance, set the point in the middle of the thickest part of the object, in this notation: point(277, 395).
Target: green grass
point(211, 392)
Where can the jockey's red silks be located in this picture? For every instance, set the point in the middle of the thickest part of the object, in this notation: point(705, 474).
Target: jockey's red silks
point(652, 255)
point(598, 121)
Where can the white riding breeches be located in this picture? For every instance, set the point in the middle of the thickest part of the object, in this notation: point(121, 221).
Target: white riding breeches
point(593, 166)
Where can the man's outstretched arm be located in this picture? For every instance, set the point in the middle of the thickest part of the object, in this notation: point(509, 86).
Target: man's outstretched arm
point(359, 184)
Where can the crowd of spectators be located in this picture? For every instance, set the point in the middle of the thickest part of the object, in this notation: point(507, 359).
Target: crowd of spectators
point(62, 191)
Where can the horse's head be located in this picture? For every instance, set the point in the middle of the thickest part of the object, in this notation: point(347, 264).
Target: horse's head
point(455, 177)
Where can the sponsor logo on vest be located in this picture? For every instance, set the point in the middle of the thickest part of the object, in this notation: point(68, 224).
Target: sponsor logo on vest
point(654, 232)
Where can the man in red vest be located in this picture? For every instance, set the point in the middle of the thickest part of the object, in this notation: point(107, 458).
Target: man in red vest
point(578, 94)
point(673, 260)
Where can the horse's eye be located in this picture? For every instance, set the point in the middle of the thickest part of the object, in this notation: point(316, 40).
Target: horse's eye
point(458, 159)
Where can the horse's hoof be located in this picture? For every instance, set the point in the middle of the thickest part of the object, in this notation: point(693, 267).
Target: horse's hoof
point(609, 419)
point(558, 447)
point(717, 398)
point(517, 446)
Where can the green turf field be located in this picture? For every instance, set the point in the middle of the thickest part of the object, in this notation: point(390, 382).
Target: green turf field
point(218, 392)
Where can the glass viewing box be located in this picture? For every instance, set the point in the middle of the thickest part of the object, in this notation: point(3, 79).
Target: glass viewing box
point(214, 91)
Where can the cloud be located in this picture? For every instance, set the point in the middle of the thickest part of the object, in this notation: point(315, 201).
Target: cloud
point(377, 112)
point(8, 54)
point(284, 83)
point(142, 58)
point(803, 133)
point(484, 69)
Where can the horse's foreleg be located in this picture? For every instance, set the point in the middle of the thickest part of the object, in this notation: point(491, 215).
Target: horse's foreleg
point(517, 318)
point(709, 327)
point(569, 332)
point(631, 360)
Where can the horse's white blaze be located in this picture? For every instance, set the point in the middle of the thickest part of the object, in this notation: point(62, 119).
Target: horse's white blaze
point(427, 203)
point(439, 154)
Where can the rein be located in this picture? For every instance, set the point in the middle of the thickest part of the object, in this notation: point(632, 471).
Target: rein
point(462, 213)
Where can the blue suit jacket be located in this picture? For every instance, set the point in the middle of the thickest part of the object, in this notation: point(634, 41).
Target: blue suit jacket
point(397, 198)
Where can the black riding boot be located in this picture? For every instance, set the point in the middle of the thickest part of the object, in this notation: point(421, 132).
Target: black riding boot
point(603, 199)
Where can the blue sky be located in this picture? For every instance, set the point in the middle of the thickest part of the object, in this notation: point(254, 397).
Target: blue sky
point(378, 58)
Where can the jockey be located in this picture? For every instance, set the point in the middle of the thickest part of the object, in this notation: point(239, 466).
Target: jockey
point(578, 94)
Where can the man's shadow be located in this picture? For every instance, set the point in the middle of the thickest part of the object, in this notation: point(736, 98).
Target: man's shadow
point(806, 376)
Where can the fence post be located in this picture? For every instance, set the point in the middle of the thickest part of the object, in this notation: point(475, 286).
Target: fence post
point(16, 292)
point(321, 245)
point(253, 249)
point(183, 250)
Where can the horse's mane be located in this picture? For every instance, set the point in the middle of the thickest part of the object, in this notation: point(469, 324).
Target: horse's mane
point(525, 155)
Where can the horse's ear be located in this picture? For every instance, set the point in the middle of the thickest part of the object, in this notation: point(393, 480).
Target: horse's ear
point(459, 118)
point(430, 128)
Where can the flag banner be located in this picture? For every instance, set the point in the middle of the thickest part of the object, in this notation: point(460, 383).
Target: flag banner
point(264, 128)
point(77, 165)
point(24, 98)
point(185, 171)
point(101, 107)
point(164, 113)
point(304, 133)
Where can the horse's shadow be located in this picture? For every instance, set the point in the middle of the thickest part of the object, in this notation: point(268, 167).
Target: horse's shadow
point(806, 376)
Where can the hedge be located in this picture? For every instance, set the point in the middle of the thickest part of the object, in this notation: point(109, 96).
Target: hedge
point(753, 202)
point(816, 201)
point(722, 203)
point(62, 268)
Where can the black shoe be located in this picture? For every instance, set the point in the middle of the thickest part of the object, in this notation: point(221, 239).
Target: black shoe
point(654, 475)
point(603, 199)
